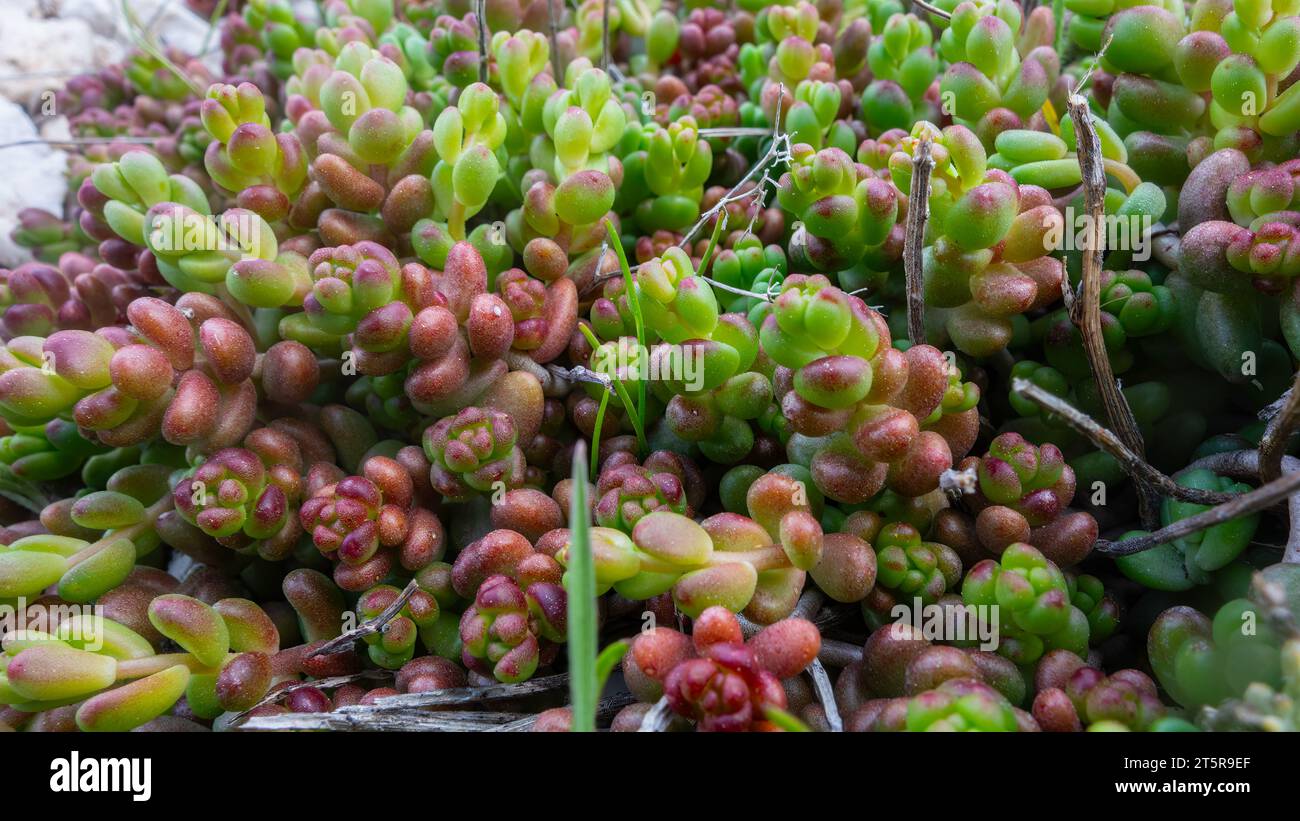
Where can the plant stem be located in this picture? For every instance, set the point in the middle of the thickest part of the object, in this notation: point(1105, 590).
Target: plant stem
point(147, 666)
point(1243, 505)
point(481, 14)
point(604, 37)
point(918, 205)
point(1245, 464)
point(553, 25)
point(369, 627)
point(1086, 312)
point(217, 14)
point(1106, 440)
point(1272, 447)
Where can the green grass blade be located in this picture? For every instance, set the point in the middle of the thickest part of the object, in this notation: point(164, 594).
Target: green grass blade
point(607, 661)
point(634, 303)
point(784, 720)
point(595, 433)
point(580, 581)
point(623, 396)
point(718, 226)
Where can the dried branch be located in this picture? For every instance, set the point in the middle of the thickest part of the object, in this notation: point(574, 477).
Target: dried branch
point(656, 720)
point(75, 141)
point(369, 627)
point(321, 683)
point(364, 719)
point(935, 10)
point(480, 12)
point(1086, 314)
point(1106, 440)
point(1243, 505)
point(918, 206)
point(553, 25)
point(604, 37)
point(471, 695)
point(809, 604)
point(826, 695)
point(581, 373)
point(1277, 434)
point(605, 709)
point(1245, 464)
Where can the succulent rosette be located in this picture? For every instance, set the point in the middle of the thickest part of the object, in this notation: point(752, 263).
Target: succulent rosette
point(507, 630)
point(233, 496)
point(472, 451)
point(996, 78)
point(629, 491)
point(844, 211)
point(576, 178)
point(246, 154)
point(903, 65)
point(334, 338)
point(666, 179)
point(1033, 601)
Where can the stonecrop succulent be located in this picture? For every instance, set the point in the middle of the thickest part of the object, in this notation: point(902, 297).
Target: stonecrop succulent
point(465, 352)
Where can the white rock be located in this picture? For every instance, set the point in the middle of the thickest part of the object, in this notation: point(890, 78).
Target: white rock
point(33, 178)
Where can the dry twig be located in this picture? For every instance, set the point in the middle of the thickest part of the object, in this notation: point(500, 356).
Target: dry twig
point(657, 718)
point(1272, 447)
point(1245, 464)
point(553, 25)
point(1103, 438)
point(363, 719)
point(480, 11)
point(935, 10)
point(367, 628)
point(826, 695)
point(473, 695)
point(1086, 312)
point(918, 206)
point(1243, 505)
point(322, 684)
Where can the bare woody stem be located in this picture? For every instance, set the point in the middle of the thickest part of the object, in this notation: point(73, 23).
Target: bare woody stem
point(1086, 312)
point(480, 9)
point(935, 10)
point(553, 25)
point(1245, 464)
point(1106, 440)
point(1243, 505)
point(918, 204)
point(368, 628)
point(1278, 432)
point(604, 37)
point(321, 683)
point(825, 695)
